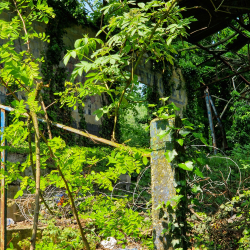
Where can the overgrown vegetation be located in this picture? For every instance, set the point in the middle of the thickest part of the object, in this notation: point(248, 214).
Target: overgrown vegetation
point(211, 207)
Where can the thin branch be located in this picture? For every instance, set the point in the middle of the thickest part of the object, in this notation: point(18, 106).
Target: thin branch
point(46, 118)
point(139, 59)
point(72, 203)
point(24, 25)
point(52, 155)
point(226, 77)
point(212, 45)
point(8, 88)
point(220, 98)
point(51, 104)
point(235, 7)
point(38, 173)
point(32, 165)
point(220, 4)
point(90, 5)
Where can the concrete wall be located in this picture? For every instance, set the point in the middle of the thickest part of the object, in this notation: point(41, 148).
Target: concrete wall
point(144, 71)
point(177, 82)
point(38, 47)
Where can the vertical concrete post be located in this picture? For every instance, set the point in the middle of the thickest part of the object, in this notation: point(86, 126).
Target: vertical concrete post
point(3, 189)
point(162, 176)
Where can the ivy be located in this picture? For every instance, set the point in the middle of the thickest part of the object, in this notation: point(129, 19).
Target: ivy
point(54, 74)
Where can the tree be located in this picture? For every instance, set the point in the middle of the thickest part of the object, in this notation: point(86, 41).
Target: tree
point(22, 69)
point(147, 30)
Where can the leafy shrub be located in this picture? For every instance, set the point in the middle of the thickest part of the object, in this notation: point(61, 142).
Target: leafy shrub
point(113, 218)
point(228, 228)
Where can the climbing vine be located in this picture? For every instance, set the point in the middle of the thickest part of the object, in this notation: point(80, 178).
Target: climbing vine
point(54, 73)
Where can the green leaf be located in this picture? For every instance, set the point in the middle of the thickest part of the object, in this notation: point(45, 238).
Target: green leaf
point(184, 132)
point(186, 122)
point(73, 54)
point(188, 127)
point(99, 113)
point(180, 141)
point(200, 136)
point(91, 74)
point(170, 155)
point(145, 160)
point(169, 40)
point(176, 198)
point(158, 207)
point(151, 105)
point(127, 48)
point(188, 165)
point(164, 99)
point(98, 33)
point(196, 189)
point(175, 242)
point(141, 5)
point(162, 134)
point(166, 116)
point(66, 58)
point(112, 61)
point(78, 43)
point(198, 172)
point(124, 101)
point(19, 193)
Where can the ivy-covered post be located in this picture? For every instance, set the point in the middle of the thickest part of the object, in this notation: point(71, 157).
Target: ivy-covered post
point(163, 182)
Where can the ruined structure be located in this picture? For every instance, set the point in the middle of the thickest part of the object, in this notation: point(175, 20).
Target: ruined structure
point(144, 71)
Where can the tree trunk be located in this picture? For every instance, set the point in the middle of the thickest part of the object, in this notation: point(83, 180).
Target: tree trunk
point(36, 212)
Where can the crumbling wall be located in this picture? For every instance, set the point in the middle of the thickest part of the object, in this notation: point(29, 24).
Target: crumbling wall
point(144, 71)
point(38, 47)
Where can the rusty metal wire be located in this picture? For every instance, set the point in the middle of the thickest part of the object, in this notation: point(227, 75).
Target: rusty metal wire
point(216, 184)
point(52, 196)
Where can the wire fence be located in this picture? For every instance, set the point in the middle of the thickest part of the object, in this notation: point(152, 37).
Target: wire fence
point(216, 186)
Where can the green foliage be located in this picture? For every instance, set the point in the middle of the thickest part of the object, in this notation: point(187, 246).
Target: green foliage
point(150, 28)
point(128, 35)
point(240, 129)
point(209, 227)
point(54, 75)
point(56, 238)
point(132, 126)
point(215, 230)
point(115, 219)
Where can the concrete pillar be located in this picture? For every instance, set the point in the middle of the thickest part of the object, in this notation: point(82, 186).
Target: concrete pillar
point(163, 182)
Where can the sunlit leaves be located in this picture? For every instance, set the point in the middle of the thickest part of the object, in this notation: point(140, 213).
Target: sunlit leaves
point(198, 172)
point(16, 132)
point(170, 155)
point(134, 34)
point(188, 165)
point(180, 141)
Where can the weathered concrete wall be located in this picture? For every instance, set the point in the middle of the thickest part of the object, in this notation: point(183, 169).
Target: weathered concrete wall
point(177, 83)
point(179, 95)
point(144, 71)
point(38, 47)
